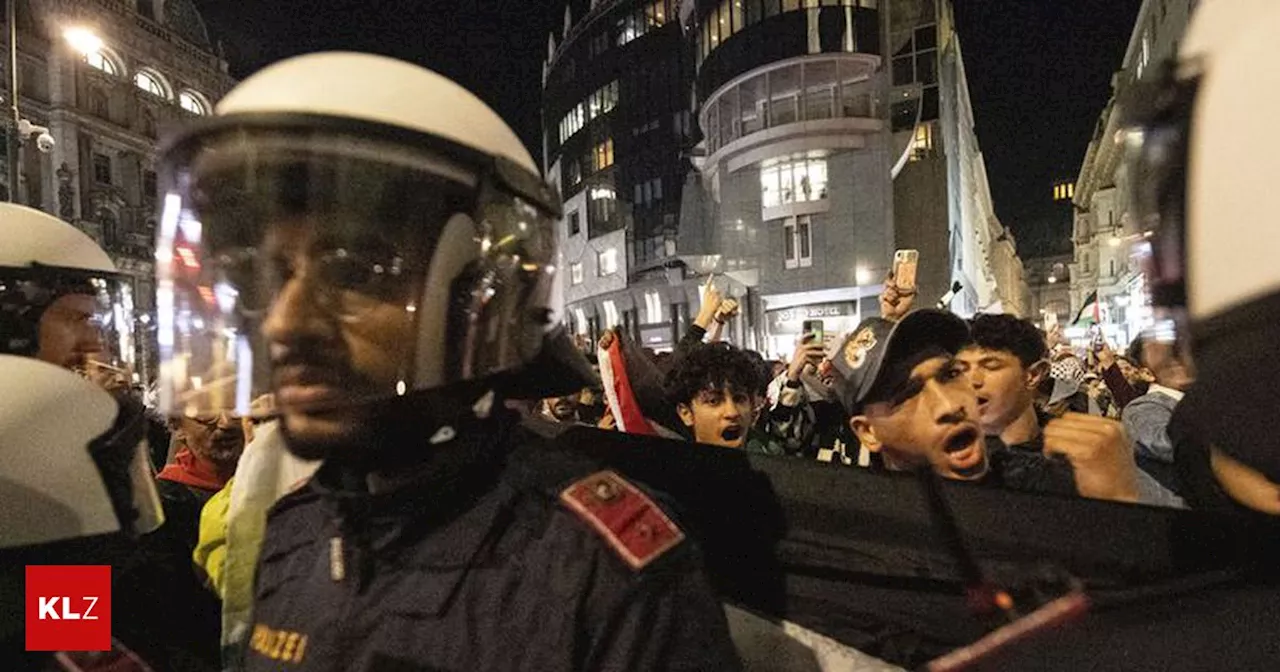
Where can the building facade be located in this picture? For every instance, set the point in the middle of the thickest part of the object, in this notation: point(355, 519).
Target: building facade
point(804, 141)
point(833, 133)
point(617, 124)
point(104, 110)
point(1104, 235)
point(1049, 285)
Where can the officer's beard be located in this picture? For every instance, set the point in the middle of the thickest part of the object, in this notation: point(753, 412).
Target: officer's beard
point(387, 434)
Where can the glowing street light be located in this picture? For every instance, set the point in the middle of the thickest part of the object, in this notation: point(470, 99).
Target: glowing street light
point(83, 40)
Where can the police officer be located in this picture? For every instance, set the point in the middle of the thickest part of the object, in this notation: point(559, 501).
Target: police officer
point(1206, 210)
point(77, 486)
point(373, 244)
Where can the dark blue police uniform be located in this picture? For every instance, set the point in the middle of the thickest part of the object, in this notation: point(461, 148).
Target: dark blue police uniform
point(509, 554)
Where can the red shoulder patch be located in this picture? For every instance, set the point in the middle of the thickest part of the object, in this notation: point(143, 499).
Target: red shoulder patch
point(634, 526)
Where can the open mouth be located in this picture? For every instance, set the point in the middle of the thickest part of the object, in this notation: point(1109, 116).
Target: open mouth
point(964, 449)
point(732, 433)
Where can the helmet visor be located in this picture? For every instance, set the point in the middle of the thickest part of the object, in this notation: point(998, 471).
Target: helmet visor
point(334, 269)
point(78, 319)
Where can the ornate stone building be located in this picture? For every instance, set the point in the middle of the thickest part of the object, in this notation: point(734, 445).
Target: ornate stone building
point(1105, 235)
point(157, 66)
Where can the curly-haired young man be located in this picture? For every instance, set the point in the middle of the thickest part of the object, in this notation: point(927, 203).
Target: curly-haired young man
point(717, 390)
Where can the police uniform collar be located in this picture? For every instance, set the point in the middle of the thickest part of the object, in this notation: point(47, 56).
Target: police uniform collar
point(419, 477)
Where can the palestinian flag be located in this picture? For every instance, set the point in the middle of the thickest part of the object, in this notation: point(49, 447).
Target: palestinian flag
point(633, 388)
point(1091, 311)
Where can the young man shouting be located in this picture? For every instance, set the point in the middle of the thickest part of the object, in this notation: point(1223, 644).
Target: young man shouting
point(717, 390)
point(910, 401)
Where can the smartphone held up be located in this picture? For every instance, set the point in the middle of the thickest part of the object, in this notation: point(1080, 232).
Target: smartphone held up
point(905, 265)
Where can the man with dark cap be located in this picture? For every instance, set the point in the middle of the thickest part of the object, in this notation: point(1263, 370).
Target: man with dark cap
point(909, 401)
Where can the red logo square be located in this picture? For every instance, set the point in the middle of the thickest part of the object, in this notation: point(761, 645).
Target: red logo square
point(68, 607)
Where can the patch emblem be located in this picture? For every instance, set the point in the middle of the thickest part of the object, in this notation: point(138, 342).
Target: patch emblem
point(632, 524)
point(855, 351)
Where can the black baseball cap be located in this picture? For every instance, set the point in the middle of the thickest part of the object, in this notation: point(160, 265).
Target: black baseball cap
point(864, 358)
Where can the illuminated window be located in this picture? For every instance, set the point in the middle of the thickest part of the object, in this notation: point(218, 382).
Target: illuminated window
point(794, 181)
point(653, 307)
point(575, 272)
point(573, 122)
point(601, 206)
point(607, 262)
point(1144, 58)
point(192, 103)
point(602, 100)
point(922, 145)
point(99, 60)
point(598, 103)
point(603, 155)
point(1064, 191)
point(580, 318)
point(150, 83)
point(611, 315)
point(642, 20)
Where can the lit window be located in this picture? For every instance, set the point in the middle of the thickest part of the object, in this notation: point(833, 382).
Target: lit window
point(602, 100)
point(794, 181)
point(575, 273)
point(603, 155)
point(642, 20)
point(607, 262)
point(1145, 57)
point(100, 61)
point(150, 83)
point(602, 205)
point(611, 315)
point(580, 317)
point(653, 307)
point(922, 145)
point(573, 122)
point(191, 103)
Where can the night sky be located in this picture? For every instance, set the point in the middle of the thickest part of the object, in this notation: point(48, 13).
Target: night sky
point(1039, 72)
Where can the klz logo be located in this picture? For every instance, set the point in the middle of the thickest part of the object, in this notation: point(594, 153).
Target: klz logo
point(68, 607)
point(49, 609)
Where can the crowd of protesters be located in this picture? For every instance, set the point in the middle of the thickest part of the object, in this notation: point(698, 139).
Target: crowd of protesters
point(993, 399)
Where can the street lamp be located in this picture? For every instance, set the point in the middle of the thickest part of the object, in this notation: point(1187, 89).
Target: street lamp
point(83, 40)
